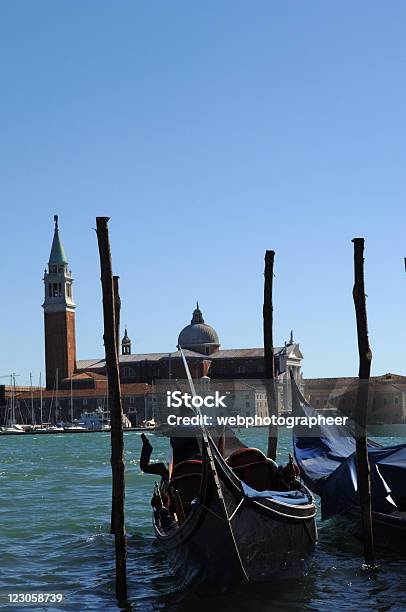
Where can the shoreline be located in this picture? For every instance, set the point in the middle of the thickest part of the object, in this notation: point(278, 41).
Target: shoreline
point(68, 431)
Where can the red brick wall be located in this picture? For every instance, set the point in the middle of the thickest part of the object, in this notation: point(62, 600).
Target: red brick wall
point(60, 345)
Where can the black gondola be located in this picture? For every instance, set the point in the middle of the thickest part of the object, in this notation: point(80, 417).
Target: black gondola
point(221, 525)
point(226, 532)
point(327, 463)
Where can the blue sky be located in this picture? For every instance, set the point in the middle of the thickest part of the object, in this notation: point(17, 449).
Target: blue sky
point(208, 132)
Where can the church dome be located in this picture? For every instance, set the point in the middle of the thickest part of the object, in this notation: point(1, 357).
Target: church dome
point(198, 336)
point(198, 333)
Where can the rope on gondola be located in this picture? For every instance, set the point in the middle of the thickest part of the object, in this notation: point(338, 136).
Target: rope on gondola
point(213, 513)
point(237, 508)
point(212, 463)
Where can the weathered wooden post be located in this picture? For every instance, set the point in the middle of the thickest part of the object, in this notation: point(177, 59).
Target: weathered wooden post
point(117, 438)
point(117, 310)
point(365, 358)
point(269, 354)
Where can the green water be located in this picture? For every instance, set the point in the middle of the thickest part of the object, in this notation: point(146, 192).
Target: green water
point(54, 523)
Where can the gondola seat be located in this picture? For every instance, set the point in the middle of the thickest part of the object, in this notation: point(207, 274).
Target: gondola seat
point(184, 485)
point(189, 466)
point(243, 456)
point(188, 486)
point(254, 468)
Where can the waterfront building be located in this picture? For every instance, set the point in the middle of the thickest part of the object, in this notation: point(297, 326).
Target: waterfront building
point(82, 384)
point(201, 346)
point(386, 398)
point(199, 340)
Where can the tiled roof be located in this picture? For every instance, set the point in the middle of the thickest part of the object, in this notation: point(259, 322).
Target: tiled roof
point(348, 380)
point(96, 376)
point(246, 353)
point(390, 376)
point(85, 364)
point(158, 356)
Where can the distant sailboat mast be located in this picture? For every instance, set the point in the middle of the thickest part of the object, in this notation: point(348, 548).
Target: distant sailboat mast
point(71, 398)
point(40, 396)
point(13, 400)
point(32, 402)
point(11, 411)
point(56, 398)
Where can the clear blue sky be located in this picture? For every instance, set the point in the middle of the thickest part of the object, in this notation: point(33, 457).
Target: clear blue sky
point(208, 132)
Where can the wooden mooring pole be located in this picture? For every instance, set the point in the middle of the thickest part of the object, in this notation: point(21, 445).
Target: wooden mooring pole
point(117, 438)
point(365, 358)
point(269, 353)
point(117, 311)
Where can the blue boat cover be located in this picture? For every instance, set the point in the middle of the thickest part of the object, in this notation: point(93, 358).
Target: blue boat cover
point(327, 463)
point(294, 498)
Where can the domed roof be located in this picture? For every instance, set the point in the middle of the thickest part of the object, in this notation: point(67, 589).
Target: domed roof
point(198, 336)
point(199, 333)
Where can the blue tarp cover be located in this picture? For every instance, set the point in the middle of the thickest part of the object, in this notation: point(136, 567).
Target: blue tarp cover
point(327, 464)
point(294, 498)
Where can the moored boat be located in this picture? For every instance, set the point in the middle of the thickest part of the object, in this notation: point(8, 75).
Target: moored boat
point(12, 428)
point(227, 514)
point(219, 530)
point(327, 463)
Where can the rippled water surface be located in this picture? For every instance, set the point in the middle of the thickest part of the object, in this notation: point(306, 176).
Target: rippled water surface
point(54, 520)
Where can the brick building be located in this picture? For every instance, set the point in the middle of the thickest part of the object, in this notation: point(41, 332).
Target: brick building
point(387, 396)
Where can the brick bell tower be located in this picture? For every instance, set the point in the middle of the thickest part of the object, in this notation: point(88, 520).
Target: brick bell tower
point(59, 315)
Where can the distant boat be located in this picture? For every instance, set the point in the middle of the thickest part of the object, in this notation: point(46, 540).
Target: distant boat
point(54, 428)
point(327, 462)
point(74, 427)
point(13, 428)
point(41, 428)
point(99, 420)
point(151, 424)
